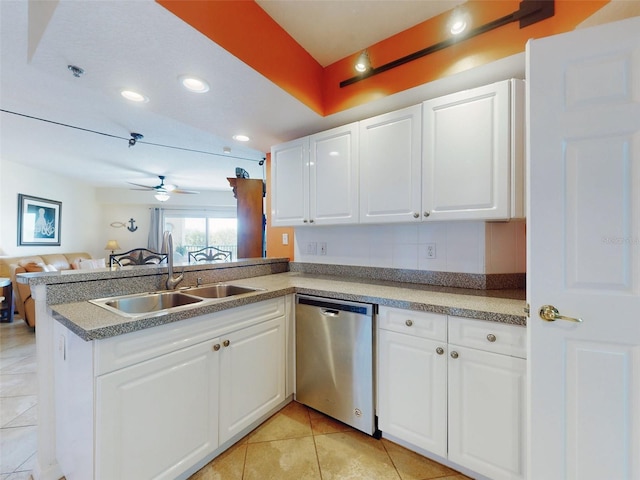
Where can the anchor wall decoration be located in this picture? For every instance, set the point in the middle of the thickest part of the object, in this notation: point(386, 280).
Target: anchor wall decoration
point(132, 228)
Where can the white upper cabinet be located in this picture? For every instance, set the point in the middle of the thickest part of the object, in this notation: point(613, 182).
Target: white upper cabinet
point(456, 157)
point(290, 183)
point(315, 179)
point(473, 158)
point(390, 166)
point(333, 176)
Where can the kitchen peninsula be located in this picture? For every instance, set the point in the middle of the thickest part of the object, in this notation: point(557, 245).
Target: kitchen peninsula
point(73, 326)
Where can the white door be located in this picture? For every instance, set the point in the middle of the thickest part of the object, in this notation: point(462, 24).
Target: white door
point(486, 403)
point(252, 368)
point(467, 155)
point(584, 253)
point(333, 176)
point(412, 390)
point(155, 418)
point(390, 166)
point(290, 183)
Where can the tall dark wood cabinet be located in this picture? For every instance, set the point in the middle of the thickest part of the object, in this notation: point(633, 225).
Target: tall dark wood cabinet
point(250, 194)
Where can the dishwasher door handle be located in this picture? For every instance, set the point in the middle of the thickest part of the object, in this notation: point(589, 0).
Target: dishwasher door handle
point(330, 313)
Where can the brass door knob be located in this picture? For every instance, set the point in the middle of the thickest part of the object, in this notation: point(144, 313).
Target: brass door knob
point(550, 313)
point(439, 350)
point(216, 347)
point(226, 343)
point(408, 323)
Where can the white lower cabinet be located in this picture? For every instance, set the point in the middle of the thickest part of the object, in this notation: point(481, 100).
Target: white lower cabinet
point(155, 417)
point(487, 397)
point(252, 375)
point(413, 395)
point(165, 399)
point(454, 387)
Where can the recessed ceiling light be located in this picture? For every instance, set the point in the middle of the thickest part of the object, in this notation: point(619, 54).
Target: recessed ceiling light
point(194, 84)
point(226, 149)
point(241, 138)
point(134, 96)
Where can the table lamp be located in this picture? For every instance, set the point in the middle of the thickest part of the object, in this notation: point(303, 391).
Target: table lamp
point(112, 245)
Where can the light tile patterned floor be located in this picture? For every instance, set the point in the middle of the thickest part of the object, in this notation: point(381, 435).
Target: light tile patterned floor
point(297, 443)
point(18, 401)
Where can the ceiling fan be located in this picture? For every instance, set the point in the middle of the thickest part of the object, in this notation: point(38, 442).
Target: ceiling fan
point(163, 190)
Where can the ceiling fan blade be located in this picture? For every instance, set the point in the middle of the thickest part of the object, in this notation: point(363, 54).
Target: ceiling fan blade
point(144, 187)
point(178, 190)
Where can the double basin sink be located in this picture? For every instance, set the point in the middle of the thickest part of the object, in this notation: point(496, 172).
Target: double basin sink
point(148, 304)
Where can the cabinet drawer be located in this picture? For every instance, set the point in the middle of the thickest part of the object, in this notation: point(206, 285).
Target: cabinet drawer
point(413, 322)
point(488, 336)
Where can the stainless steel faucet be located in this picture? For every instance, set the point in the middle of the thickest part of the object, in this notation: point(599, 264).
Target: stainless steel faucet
point(167, 244)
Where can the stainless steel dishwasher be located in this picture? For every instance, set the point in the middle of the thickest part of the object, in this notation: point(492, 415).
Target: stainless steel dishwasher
point(335, 360)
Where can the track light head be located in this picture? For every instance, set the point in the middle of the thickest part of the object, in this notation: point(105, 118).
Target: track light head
point(363, 63)
point(76, 71)
point(134, 138)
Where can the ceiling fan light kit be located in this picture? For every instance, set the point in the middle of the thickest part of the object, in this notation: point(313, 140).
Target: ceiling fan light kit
point(162, 192)
point(162, 196)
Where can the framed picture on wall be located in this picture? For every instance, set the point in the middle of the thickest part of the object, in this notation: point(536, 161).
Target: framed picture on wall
point(38, 221)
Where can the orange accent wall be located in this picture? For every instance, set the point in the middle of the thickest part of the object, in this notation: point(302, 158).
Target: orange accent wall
point(274, 234)
point(485, 48)
point(246, 31)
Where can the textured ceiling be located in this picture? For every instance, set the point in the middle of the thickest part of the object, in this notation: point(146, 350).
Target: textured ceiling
point(139, 44)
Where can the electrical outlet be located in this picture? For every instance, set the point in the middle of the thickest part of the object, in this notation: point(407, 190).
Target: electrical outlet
point(323, 248)
point(312, 248)
point(431, 250)
point(285, 239)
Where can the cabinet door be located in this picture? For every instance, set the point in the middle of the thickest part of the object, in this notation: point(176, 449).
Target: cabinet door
point(333, 176)
point(158, 417)
point(487, 412)
point(390, 166)
point(252, 369)
point(466, 145)
point(412, 390)
point(290, 183)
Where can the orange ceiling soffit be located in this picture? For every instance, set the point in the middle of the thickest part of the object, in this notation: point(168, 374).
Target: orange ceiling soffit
point(246, 31)
point(463, 55)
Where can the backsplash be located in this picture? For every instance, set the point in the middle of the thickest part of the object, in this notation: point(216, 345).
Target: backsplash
point(462, 247)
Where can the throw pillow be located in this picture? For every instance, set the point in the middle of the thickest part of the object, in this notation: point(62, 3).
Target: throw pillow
point(33, 267)
point(86, 264)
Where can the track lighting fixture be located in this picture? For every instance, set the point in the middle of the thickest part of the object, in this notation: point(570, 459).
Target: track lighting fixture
point(76, 71)
point(528, 13)
point(134, 138)
point(363, 63)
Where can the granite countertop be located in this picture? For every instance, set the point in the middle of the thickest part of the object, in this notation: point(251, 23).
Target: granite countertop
point(92, 322)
